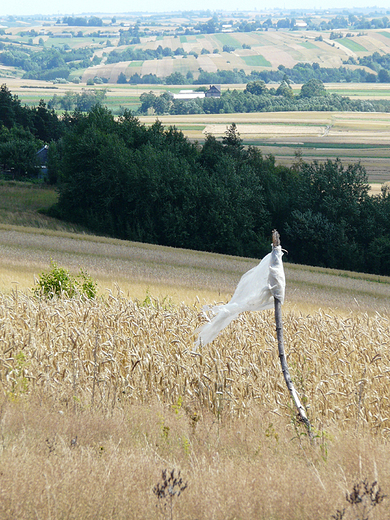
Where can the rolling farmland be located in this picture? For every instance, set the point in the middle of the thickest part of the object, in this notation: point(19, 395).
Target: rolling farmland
point(256, 50)
point(319, 136)
point(351, 136)
point(98, 397)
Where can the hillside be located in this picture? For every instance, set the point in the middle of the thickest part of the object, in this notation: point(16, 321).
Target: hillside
point(138, 269)
point(95, 51)
point(105, 405)
point(103, 400)
point(268, 50)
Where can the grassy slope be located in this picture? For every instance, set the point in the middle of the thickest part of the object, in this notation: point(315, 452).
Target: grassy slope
point(24, 204)
point(28, 241)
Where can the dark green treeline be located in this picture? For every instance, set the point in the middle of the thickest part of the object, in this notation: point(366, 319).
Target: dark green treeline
point(122, 179)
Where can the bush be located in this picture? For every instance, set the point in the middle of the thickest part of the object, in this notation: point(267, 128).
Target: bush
point(59, 282)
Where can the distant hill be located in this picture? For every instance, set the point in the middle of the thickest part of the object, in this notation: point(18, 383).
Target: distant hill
point(268, 50)
point(161, 48)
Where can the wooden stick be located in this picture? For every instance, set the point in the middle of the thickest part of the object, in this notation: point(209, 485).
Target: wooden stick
point(282, 356)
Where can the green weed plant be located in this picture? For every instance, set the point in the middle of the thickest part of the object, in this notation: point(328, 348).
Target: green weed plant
point(59, 282)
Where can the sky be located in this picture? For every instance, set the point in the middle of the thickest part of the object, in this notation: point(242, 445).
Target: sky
point(73, 7)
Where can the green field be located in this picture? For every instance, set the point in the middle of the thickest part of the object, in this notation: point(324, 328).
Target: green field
point(363, 92)
point(308, 45)
point(256, 61)
point(352, 45)
point(25, 204)
point(71, 42)
point(227, 39)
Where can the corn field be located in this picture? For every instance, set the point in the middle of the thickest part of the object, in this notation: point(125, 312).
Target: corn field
point(106, 352)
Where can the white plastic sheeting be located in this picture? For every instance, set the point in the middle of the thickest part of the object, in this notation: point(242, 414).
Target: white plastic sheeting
point(255, 292)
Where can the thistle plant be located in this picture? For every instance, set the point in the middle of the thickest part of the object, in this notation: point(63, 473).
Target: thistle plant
point(167, 490)
point(363, 499)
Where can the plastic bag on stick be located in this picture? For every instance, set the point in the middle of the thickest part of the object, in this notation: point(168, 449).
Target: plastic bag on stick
point(255, 292)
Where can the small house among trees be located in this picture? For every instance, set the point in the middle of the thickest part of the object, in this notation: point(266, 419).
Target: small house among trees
point(214, 91)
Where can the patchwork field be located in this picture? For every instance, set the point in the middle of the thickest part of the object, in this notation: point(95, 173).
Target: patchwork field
point(31, 91)
point(262, 49)
point(351, 136)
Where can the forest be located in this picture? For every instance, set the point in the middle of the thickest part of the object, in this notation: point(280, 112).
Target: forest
point(120, 178)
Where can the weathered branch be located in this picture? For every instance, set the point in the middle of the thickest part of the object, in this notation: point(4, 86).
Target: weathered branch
point(282, 356)
point(275, 238)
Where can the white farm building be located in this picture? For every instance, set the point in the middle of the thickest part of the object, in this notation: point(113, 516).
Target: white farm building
point(213, 91)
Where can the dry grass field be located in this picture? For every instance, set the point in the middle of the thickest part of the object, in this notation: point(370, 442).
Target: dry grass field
point(98, 397)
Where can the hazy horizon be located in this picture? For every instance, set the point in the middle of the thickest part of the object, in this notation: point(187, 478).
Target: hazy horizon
point(74, 7)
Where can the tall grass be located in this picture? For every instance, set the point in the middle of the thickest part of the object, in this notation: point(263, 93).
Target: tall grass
point(104, 352)
point(98, 397)
point(25, 204)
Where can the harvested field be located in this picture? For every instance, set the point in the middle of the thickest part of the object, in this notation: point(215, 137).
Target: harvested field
point(162, 67)
point(207, 63)
point(267, 131)
point(111, 72)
